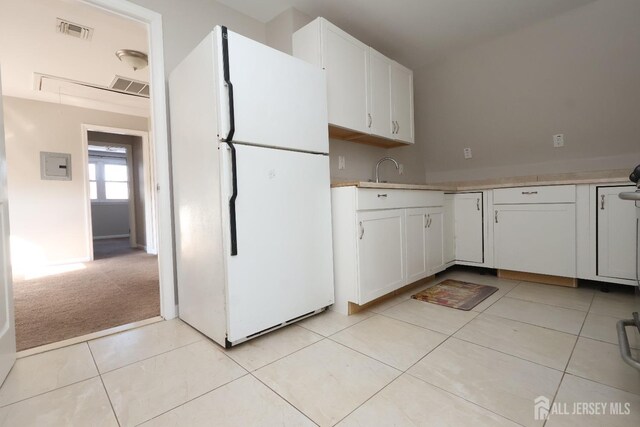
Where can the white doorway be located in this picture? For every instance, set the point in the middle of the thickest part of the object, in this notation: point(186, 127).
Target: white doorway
point(157, 213)
point(133, 150)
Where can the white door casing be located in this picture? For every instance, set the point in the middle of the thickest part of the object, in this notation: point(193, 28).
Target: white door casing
point(7, 319)
point(160, 147)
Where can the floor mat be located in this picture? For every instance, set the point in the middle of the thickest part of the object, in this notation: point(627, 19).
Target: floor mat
point(456, 294)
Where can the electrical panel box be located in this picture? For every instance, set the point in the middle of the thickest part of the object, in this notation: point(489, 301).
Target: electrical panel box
point(56, 166)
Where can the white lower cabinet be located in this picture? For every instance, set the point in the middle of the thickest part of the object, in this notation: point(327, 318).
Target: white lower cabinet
point(381, 252)
point(536, 238)
point(434, 236)
point(384, 240)
point(616, 224)
point(469, 227)
point(416, 244)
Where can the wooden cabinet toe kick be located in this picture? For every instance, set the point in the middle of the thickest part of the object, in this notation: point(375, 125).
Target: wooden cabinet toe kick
point(355, 308)
point(570, 282)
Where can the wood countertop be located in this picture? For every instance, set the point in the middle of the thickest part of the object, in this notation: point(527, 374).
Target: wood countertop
point(620, 176)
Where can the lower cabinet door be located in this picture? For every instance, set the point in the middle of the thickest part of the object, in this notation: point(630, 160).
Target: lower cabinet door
point(416, 244)
point(381, 252)
point(616, 234)
point(536, 238)
point(469, 227)
point(435, 240)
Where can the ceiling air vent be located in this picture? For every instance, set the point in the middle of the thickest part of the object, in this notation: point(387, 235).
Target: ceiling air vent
point(126, 85)
point(74, 30)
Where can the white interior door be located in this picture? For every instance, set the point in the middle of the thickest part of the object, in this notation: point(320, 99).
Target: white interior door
point(284, 263)
point(7, 321)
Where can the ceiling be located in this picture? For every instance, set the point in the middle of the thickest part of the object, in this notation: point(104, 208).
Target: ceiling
point(30, 46)
point(416, 32)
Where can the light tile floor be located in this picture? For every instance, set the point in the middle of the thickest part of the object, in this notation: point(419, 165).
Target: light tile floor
point(401, 363)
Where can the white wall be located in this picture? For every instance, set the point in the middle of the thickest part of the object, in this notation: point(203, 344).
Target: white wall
point(186, 23)
point(49, 218)
point(576, 74)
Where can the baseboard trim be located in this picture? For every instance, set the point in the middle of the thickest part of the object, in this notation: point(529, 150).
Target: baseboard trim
point(88, 337)
point(115, 236)
point(569, 282)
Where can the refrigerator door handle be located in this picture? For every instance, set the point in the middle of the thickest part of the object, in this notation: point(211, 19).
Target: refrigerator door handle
point(232, 201)
point(228, 84)
point(228, 139)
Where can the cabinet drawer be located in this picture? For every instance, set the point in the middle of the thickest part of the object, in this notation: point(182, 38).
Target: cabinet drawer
point(541, 194)
point(374, 198)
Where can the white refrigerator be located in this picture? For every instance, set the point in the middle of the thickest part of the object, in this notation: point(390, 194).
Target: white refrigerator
point(249, 147)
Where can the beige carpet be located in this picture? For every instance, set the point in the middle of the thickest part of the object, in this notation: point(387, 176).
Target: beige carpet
point(119, 287)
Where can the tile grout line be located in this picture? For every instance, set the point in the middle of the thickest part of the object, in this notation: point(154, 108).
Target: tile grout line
point(192, 399)
point(564, 371)
point(151, 357)
point(282, 397)
point(406, 371)
point(50, 391)
point(104, 387)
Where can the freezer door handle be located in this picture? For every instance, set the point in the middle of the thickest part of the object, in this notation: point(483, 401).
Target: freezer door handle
point(228, 84)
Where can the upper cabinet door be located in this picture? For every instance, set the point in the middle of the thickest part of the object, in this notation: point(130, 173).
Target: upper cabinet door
point(346, 61)
point(402, 102)
point(380, 95)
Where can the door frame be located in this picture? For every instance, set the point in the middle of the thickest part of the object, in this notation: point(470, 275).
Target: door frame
point(159, 146)
point(150, 206)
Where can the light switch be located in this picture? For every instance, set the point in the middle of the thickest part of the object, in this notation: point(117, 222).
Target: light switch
point(56, 166)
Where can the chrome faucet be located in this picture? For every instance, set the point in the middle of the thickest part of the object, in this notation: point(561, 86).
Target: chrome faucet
point(381, 161)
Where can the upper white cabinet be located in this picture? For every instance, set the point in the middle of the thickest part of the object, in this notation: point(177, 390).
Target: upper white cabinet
point(369, 96)
point(616, 222)
point(402, 103)
point(469, 227)
point(380, 108)
point(345, 59)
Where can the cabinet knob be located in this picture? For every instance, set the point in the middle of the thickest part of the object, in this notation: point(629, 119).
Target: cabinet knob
point(478, 204)
point(370, 119)
point(382, 195)
point(529, 192)
point(602, 202)
point(361, 230)
point(495, 216)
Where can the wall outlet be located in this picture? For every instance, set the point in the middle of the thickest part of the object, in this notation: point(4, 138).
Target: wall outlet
point(558, 140)
point(400, 169)
point(467, 153)
point(342, 163)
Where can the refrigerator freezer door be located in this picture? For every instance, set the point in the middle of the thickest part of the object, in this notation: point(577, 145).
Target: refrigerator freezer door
point(284, 265)
point(279, 100)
